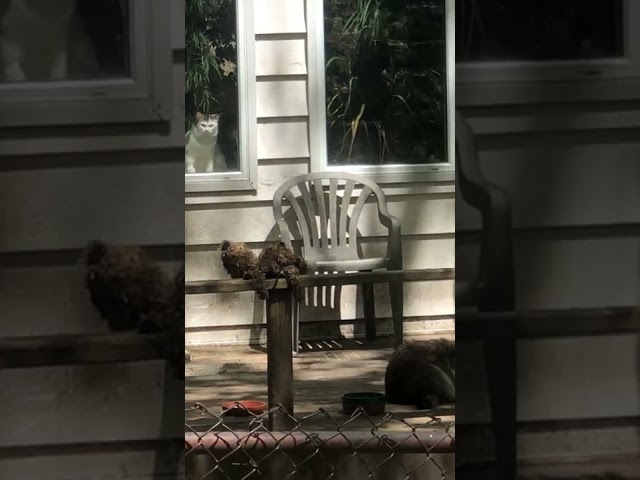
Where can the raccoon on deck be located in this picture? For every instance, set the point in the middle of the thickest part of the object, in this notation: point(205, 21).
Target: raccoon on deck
point(422, 374)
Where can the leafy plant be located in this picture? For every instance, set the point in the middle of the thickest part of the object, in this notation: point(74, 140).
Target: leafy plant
point(385, 80)
point(501, 30)
point(211, 57)
point(366, 22)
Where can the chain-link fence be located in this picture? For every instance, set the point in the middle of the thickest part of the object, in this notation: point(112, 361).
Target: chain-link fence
point(237, 444)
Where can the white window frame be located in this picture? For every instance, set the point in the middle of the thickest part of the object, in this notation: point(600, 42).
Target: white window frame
point(481, 84)
point(384, 174)
point(247, 176)
point(144, 97)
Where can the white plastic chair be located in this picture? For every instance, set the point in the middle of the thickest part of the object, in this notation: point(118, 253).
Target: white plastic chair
point(326, 213)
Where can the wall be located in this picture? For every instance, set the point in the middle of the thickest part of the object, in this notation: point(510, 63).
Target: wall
point(51, 205)
point(426, 210)
point(576, 216)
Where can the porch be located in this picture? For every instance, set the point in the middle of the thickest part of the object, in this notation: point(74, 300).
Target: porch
point(320, 438)
point(323, 372)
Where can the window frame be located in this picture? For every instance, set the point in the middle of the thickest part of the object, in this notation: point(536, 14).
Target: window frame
point(247, 176)
point(144, 97)
point(437, 172)
point(505, 83)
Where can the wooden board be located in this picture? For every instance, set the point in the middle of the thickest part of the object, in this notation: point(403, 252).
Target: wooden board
point(555, 184)
point(132, 201)
point(279, 16)
point(419, 215)
point(418, 252)
point(141, 465)
point(52, 405)
point(49, 300)
point(281, 55)
point(567, 270)
point(281, 98)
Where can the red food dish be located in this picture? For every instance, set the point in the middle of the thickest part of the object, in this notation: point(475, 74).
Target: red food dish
point(245, 407)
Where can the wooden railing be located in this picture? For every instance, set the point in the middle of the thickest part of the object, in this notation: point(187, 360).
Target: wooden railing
point(338, 279)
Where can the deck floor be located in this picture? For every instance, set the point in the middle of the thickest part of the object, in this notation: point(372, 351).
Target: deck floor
point(323, 372)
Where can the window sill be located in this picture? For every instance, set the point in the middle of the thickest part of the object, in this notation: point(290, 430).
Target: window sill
point(546, 119)
point(97, 139)
point(578, 90)
point(401, 174)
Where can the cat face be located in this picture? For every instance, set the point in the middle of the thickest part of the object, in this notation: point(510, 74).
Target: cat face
point(207, 124)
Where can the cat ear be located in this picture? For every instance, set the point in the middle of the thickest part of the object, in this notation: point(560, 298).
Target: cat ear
point(200, 117)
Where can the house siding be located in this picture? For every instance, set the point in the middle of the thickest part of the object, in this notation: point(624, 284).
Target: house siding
point(124, 189)
point(426, 210)
point(576, 215)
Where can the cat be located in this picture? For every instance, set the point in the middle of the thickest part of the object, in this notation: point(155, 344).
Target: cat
point(43, 40)
point(422, 374)
point(202, 150)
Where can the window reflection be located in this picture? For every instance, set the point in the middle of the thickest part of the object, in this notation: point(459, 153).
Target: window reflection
point(54, 40)
point(500, 30)
point(385, 81)
point(211, 87)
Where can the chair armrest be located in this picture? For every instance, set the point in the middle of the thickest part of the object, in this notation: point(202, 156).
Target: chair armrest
point(394, 246)
point(496, 269)
point(475, 189)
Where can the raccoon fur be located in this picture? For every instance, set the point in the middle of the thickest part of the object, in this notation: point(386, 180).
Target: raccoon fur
point(279, 261)
point(422, 374)
point(275, 261)
point(238, 259)
point(124, 284)
point(131, 292)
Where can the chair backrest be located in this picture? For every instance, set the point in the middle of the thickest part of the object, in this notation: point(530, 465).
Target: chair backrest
point(496, 264)
point(468, 173)
point(325, 212)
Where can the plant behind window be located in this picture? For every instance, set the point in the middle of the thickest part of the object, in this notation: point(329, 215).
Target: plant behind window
point(210, 44)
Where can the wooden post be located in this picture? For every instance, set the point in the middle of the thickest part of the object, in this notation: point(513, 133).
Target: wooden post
point(279, 355)
point(369, 310)
point(279, 373)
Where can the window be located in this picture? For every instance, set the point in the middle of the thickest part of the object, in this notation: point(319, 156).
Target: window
point(526, 52)
point(220, 129)
point(381, 88)
point(96, 62)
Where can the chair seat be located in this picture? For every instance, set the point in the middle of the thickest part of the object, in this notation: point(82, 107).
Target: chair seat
point(356, 265)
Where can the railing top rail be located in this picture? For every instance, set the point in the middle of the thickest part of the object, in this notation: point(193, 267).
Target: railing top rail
point(229, 285)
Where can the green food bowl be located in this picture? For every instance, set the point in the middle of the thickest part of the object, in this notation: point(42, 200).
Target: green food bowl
point(372, 402)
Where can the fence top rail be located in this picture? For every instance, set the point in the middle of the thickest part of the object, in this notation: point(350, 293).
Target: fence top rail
point(229, 285)
point(419, 441)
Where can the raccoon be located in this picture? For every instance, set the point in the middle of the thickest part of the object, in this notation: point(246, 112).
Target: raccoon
point(125, 285)
point(422, 374)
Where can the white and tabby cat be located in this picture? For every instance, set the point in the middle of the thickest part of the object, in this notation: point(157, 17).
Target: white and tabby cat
point(202, 151)
point(40, 39)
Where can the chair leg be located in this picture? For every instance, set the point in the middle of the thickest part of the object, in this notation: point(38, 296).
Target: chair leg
point(396, 293)
point(369, 309)
point(295, 327)
point(501, 370)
